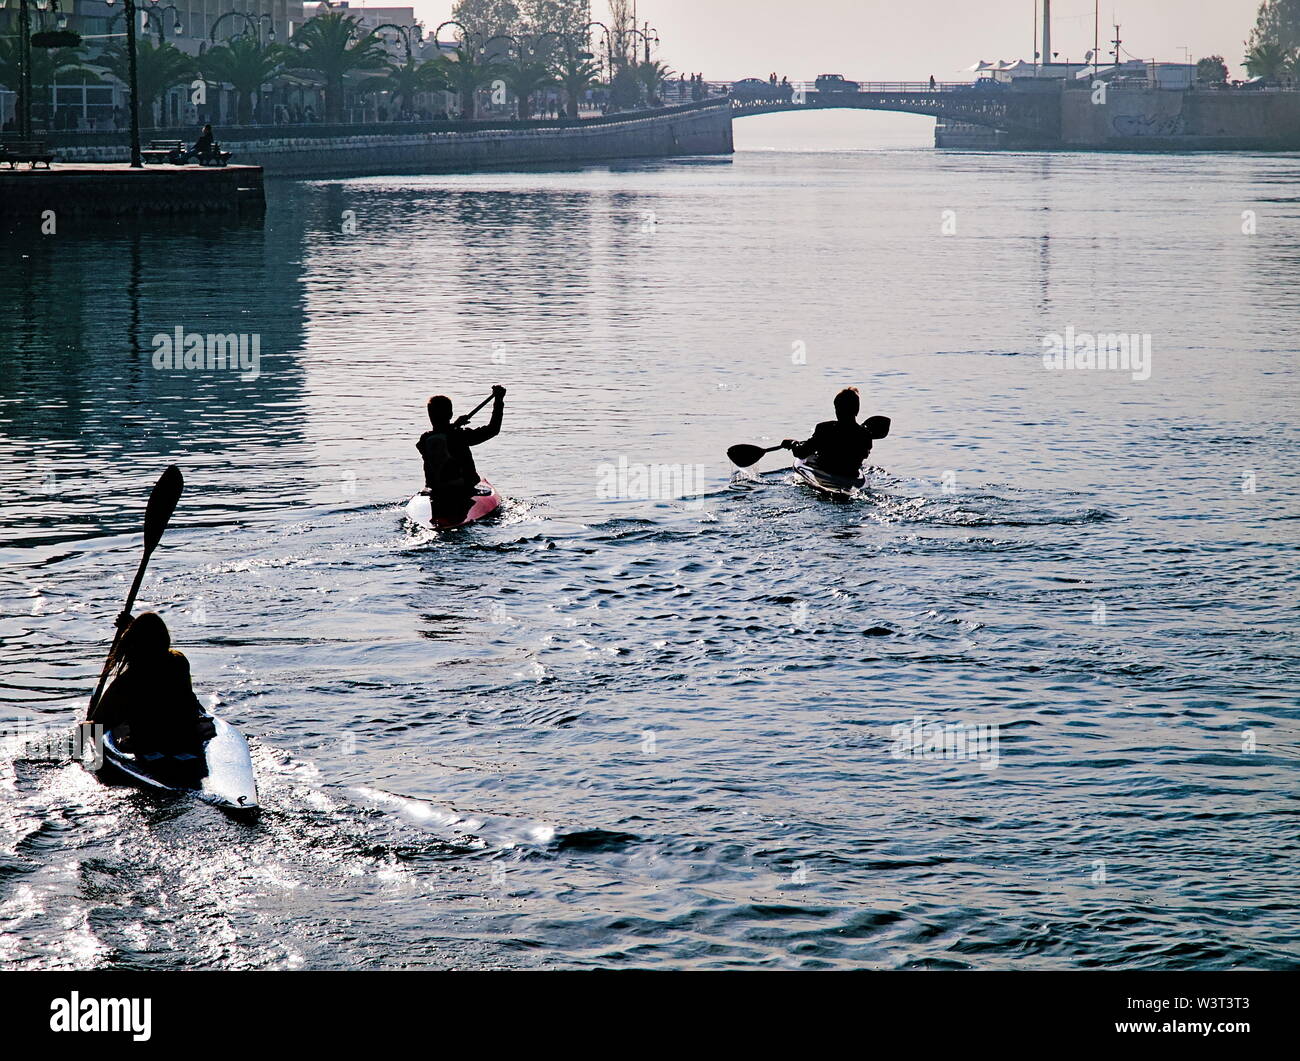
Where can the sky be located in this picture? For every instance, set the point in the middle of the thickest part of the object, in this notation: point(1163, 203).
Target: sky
point(885, 40)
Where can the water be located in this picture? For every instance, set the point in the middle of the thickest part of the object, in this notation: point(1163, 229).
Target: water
point(618, 731)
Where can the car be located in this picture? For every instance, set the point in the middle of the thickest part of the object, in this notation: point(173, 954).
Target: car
point(984, 85)
point(834, 83)
point(758, 90)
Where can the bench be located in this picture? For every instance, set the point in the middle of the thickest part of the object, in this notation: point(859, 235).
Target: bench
point(30, 151)
point(161, 150)
point(174, 151)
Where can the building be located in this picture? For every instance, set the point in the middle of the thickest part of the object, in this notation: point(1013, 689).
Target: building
point(193, 26)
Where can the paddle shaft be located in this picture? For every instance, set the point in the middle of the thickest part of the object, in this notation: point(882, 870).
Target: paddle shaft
point(130, 602)
point(470, 415)
point(157, 514)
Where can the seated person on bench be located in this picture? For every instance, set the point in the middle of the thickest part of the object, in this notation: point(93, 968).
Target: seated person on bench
point(205, 147)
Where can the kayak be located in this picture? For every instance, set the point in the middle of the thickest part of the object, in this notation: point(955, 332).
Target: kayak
point(420, 508)
point(222, 774)
point(835, 485)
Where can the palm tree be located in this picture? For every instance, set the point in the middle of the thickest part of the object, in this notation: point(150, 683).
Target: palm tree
point(1267, 59)
point(466, 74)
point(652, 75)
point(575, 74)
point(158, 68)
point(334, 45)
point(406, 80)
point(47, 66)
point(246, 64)
point(525, 77)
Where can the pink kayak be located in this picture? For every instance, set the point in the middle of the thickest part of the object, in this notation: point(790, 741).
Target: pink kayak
point(420, 508)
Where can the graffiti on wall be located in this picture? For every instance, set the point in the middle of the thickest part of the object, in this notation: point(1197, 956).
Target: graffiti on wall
point(1146, 125)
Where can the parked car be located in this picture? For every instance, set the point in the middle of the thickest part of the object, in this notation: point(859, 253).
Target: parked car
point(984, 86)
point(834, 83)
point(757, 90)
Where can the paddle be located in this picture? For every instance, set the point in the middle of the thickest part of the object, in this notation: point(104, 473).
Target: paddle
point(463, 420)
point(157, 514)
point(743, 456)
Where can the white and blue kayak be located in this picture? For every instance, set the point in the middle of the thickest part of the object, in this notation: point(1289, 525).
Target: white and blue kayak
point(834, 485)
point(221, 774)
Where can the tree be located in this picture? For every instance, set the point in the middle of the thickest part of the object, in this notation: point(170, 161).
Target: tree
point(487, 18)
point(47, 67)
point(625, 89)
point(407, 79)
point(652, 75)
point(335, 45)
point(469, 71)
point(246, 65)
point(158, 68)
point(1268, 60)
point(566, 17)
point(575, 75)
point(1278, 23)
point(621, 25)
point(1212, 69)
point(524, 77)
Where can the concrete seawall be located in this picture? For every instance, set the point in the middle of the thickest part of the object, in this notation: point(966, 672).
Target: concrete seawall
point(690, 130)
point(1140, 119)
point(104, 190)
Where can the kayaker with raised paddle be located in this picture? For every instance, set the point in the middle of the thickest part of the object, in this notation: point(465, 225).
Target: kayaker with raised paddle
point(150, 704)
point(838, 447)
point(450, 474)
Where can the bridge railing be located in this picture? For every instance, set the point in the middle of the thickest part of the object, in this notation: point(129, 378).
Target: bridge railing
point(809, 88)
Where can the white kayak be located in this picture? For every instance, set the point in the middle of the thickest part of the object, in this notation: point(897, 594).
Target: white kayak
point(221, 775)
point(419, 509)
point(825, 482)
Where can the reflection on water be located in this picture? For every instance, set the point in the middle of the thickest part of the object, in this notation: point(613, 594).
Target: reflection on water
point(621, 731)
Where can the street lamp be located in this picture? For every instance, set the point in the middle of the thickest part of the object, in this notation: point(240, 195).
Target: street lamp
point(651, 34)
point(133, 82)
point(465, 34)
point(25, 58)
point(609, 44)
point(250, 20)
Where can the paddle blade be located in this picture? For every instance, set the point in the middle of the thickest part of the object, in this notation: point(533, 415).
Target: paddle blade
point(877, 426)
point(743, 456)
point(162, 503)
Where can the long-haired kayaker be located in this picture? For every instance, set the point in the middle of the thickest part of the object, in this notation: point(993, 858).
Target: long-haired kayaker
point(150, 706)
point(450, 475)
point(837, 447)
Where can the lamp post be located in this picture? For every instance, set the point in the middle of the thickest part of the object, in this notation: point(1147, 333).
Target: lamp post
point(250, 20)
point(405, 33)
point(133, 81)
point(634, 33)
point(465, 34)
point(647, 34)
point(609, 44)
point(25, 54)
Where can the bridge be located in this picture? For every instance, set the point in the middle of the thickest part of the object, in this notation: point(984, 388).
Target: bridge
point(1033, 114)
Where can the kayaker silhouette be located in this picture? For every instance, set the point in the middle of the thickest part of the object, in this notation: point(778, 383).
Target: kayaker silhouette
point(450, 475)
point(838, 447)
point(150, 707)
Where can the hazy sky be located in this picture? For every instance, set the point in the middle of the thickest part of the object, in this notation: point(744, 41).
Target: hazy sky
point(889, 40)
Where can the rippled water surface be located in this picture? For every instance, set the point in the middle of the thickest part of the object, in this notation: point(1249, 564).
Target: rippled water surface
point(608, 731)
